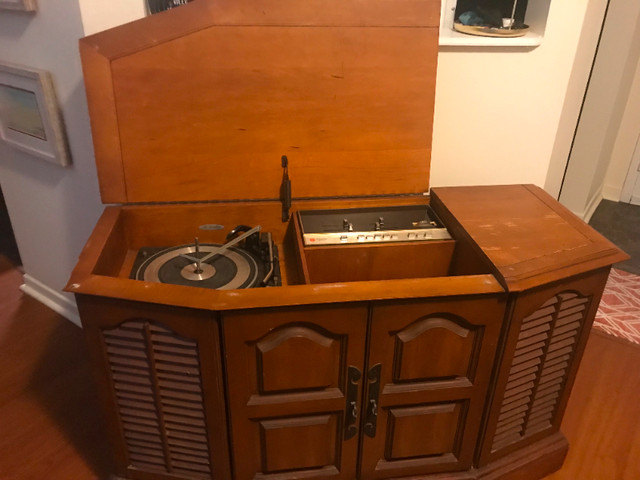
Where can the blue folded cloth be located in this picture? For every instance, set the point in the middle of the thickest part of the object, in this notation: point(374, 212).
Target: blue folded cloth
point(471, 18)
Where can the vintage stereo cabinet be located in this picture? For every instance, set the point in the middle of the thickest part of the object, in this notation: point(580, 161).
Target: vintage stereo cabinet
point(384, 332)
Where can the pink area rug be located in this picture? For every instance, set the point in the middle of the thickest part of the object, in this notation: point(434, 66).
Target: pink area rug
point(619, 311)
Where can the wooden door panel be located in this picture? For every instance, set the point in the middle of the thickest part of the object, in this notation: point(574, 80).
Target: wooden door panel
point(424, 430)
point(298, 358)
point(314, 438)
point(435, 359)
point(451, 346)
point(288, 376)
point(420, 439)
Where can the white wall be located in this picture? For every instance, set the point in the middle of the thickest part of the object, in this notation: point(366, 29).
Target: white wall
point(625, 143)
point(603, 109)
point(52, 209)
point(582, 65)
point(498, 111)
point(99, 15)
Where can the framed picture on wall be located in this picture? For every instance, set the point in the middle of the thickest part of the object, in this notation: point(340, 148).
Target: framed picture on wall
point(20, 5)
point(29, 117)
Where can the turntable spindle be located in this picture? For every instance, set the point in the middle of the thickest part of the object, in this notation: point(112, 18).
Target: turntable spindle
point(198, 269)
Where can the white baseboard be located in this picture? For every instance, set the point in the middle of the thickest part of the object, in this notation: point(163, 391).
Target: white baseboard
point(56, 301)
point(592, 205)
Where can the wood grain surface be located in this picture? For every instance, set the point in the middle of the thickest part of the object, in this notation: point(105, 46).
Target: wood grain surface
point(356, 262)
point(529, 237)
point(51, 428)
point(205, 109)
point(601, 418)
point(198, 106)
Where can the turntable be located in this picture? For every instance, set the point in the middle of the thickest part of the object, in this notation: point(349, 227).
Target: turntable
point(248, 260)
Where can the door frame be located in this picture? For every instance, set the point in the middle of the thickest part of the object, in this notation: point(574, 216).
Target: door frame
point(632, 178)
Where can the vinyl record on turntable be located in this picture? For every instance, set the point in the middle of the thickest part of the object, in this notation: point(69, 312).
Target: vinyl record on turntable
point(229, 269)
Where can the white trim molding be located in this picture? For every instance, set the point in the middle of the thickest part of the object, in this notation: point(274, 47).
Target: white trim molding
point(592, 205)
point(56, 301)
point(587, 212)
point(633, 174)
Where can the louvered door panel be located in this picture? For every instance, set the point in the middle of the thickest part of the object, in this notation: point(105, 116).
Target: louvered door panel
point(180, 400)
point(570, 316)
point(542, 352)
point(158, 389)
point(523, 375)
point(162, 375)
point(133, 387)
point(546, 342)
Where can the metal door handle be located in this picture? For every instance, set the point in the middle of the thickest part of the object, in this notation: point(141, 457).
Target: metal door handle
point(351, 415)
point(371, 421)
point(373, 405)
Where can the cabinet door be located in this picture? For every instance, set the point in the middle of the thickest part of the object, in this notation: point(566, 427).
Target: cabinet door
point(294, 386)
point(428, 371)
point(548, 332)
point(159, 370)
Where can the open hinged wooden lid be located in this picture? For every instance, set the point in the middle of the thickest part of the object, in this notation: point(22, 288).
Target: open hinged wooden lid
point(200, 102)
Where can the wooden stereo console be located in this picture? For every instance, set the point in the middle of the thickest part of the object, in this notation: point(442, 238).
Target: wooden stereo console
point(427, 358)
point(466, 373)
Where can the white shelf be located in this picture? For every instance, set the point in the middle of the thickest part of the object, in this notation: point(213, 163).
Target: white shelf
point(449, 37)
point(536, 18)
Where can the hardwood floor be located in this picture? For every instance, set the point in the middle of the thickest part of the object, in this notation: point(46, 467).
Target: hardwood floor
point(51, 429)
point(602, 422)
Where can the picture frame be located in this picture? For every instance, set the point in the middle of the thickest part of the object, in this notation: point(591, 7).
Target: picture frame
point(19, 5)
point(29, 116)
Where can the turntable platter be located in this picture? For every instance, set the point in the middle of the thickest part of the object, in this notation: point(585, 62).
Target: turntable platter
point(230, 269)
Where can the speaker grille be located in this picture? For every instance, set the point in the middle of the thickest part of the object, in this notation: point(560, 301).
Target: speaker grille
point(158, 390)
point(545, 346)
